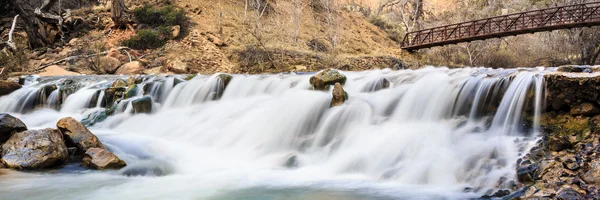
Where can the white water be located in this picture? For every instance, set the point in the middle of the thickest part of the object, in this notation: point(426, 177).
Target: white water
point(428, 136)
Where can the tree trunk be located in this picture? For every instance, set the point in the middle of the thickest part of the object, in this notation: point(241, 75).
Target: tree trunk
point(118, 10)
point(31, 26)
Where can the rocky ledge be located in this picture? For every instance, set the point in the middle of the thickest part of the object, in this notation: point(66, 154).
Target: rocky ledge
point(50, 148)
point(565, 163)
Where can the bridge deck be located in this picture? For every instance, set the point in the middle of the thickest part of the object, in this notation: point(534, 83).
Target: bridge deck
point(563, 17)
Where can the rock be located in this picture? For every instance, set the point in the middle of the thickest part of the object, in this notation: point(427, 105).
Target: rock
point(142, 105)
point(148, 168)
point(377, 85)
point(226, 78)
point(497, 194)
point(7, 87)
point(77, 135)
point(558, 143)
point(99, 158)
point(527, 174)
point(95, 117)
point(339, 95)
point(175, 30)
point(571, 163)
point(300, 68)
point(131, 68)
point(177, 66)
point(578, 69)
point(569, 194)
point(111, 95)
point(48, 89)
point(291, 161)
point(325, 78)
point(592, 176)
point(34, 149)
point(10, 125)
point(132, 80)
point(109, 64)
point(587, 109)
point(55, 70)
point(119, 83)
point(131, 91)
point(215, 40)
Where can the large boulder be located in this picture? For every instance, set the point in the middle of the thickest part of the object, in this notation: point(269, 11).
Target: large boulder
point(325, 78)
point(9, 125)
point(142, 105)
point(109, 64)
point(131, 68)
point(35, 149)
point(7, 87)
point(339, 95)
point(97, 158)
point(77, 135)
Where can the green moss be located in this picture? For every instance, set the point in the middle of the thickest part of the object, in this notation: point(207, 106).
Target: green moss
point(162, 16)
point(564, 124)
point(148, 39)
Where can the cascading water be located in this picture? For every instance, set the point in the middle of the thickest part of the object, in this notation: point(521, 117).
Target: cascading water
point(424, 134)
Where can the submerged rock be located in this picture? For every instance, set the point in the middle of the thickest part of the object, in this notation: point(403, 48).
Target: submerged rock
point(291, 161)
point(95, 117)
point(34, 149)
point(131, 91)
point(142, 105)
point(7, 87)
point(77, 135)
point(148, 168)
point(10, 125)
point(325, 78)
point(377, 85)
point(97, 158)
point(339, 95)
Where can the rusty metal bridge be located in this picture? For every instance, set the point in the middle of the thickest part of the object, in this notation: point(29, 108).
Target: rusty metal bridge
point(563, 17)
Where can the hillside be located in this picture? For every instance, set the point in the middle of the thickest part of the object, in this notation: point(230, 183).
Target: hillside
point(224, 36)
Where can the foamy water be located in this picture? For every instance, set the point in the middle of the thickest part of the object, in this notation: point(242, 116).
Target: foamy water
point(430, 135)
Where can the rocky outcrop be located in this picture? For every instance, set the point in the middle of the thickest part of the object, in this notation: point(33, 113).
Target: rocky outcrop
point(98, 158)
point(77, 135)
point(142, 105)
point(325, 78)
point(131, 68)
point(9, 125)
point(34, 149)
point(339, 95)
point(567, 90)
point(586, 108)
point(7, 87)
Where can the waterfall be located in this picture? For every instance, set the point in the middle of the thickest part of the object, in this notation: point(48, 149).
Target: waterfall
point(410, 134)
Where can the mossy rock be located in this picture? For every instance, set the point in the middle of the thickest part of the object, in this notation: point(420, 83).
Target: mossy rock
point(226, 78)
point(131, 91)
point(119, 83)
point(142, 105)
point(132, 80)
point(190, 77)
point(95, 117)
point(564, 124)
point(48, 89)
point(325, 78)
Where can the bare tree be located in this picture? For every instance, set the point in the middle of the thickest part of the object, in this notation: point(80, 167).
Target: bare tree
point(35, 22)
point(118, 11)
point(297, 10)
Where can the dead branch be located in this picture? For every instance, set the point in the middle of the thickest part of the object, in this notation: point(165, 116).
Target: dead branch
point(1, 71)
point(10, 42)
point(77, 57)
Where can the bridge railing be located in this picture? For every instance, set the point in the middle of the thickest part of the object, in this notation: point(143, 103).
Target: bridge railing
point(500, 26)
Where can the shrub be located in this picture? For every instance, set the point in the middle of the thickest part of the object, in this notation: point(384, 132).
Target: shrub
point(318, 45)
point(394, 31)
point(163, 16)
point(148, 39)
